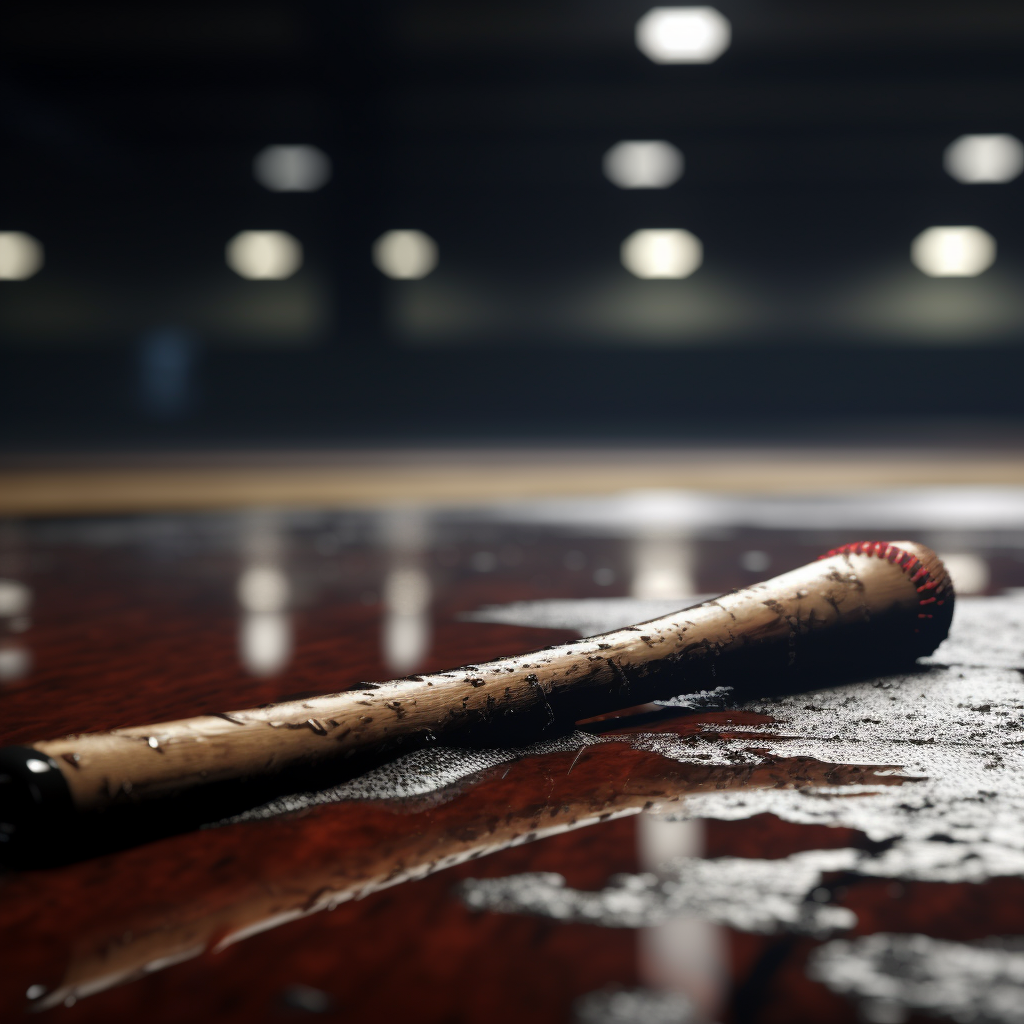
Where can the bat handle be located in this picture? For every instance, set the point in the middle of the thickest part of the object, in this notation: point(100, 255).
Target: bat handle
point(33, 793)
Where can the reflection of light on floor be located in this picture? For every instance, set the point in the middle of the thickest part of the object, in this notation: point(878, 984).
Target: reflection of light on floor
point(969, 573)
point(15, 599)
point(263, 588)
point(265, 628)
point(686, 955)
point(15, 605)
point(15, 664)
point(406, 629)
point(406, 618)
point(663, 567)
point(265, 643)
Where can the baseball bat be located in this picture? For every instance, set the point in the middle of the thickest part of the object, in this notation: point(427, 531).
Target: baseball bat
point(871, 605)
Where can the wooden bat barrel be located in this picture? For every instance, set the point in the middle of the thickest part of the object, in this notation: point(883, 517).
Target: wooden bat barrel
point(872, 605)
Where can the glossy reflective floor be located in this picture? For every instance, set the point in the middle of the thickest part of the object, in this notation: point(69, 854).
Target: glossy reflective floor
point(660, 866)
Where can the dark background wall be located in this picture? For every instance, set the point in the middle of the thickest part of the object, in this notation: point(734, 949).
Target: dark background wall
point(813, 152)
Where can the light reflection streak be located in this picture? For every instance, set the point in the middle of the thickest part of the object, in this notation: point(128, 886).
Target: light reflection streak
point(407, 593)
point(662, 566)
point(15, 664)
point(15, 599)
point(15, 606)
point(686, 955)
point(265, 634)
point(265, 642)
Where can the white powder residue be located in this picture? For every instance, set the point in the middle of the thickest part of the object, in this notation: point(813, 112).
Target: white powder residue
point(418, 773)
point(892, 976)
point(634, 1006)
point(762, 896)
point(703, 700)
point(958, 733)
point(985, 631)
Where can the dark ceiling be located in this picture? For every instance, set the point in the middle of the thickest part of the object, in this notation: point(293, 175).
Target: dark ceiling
point(813, 156)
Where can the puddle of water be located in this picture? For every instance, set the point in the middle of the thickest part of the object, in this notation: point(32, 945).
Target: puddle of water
point(892, 976)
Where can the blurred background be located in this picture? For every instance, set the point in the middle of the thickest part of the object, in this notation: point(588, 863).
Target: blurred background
point(460, 328)
point(273, 224)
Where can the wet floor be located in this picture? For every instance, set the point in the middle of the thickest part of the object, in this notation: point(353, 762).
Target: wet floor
point(850, 853)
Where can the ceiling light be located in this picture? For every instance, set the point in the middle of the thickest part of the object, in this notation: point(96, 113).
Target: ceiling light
point(953, 251)
point(21, 256)
point(683, 35)
point(984, 159)
point(662, 253)
point(292, 168)
point(650, 164)
point(264, 255)
point(405, 255)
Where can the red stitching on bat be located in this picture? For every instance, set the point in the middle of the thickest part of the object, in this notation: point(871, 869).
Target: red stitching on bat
point(908, 562)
